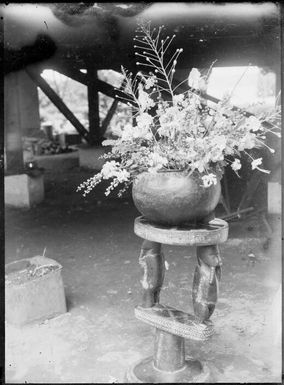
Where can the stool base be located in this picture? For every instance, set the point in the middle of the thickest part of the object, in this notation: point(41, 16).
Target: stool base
point(145, 372)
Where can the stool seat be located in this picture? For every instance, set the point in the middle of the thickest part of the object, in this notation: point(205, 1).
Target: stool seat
point(212, 233)
point(175, 321)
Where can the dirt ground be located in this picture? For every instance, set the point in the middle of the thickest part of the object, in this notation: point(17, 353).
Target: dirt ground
point(99, 337)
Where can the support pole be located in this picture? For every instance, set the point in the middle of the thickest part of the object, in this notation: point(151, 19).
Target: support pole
point(110, 114)
point(93, 102)
point(58, 102)
point(13, 127)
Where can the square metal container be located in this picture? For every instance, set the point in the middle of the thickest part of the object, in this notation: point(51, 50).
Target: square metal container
point(35, 299)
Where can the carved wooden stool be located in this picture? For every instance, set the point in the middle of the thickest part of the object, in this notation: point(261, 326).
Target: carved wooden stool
point(169, 363)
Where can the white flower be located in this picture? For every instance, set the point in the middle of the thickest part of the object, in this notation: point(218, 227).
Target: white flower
point(209, 179)
point(236, 165)
point(221, 122)
point(200, 166)
point(130, 133)
point(220, 141)
point(144, 99)
point(157, 161)
point(109, 169)
point(112, 169)
point(193, 78)
point(141, 132)
point(144, 120)
point(170, 121)
point(253, 124)
point(178, 99)
point(122, 176)
point(150, 82)
point(216, 155)
point(255, 163)
point(248, 141)
point(127, 133)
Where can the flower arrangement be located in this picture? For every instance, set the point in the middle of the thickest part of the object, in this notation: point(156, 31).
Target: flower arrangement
point(177, 130)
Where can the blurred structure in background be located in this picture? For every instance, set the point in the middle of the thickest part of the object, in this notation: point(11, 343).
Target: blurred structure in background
point(86, 43)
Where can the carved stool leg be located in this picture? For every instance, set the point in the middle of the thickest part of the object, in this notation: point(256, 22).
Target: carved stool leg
point(206, 281)
point(168, 364)
point(168, 351)
point(152, 261)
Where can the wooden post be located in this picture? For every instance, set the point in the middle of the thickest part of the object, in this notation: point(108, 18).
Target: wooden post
point(109, 116)
point(58, 102)
point(93, 101)
point(13, 134)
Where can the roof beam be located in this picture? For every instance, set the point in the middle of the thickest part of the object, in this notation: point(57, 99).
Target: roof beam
point(58, 102)
point(82, 78)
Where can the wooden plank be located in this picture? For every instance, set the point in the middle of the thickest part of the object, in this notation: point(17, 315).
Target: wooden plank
point(58, 102)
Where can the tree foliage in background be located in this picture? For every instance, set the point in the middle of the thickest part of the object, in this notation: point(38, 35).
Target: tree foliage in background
point(74, 95)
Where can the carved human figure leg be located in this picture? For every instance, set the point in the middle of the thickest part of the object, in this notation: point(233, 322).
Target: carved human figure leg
point(152, 261)
point(206, 281)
